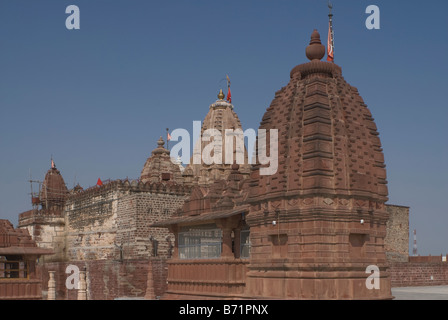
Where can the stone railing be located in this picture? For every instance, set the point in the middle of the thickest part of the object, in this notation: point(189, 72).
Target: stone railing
point(222, 278)
point(20, 289)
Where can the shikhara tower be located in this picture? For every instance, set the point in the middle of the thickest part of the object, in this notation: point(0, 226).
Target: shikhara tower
point(328, 196)
point(314, 226)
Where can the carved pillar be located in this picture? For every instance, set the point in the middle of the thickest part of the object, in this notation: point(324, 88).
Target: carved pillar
point(226, 243)
point(51, 286)
point(174, 230)
point(227, 225)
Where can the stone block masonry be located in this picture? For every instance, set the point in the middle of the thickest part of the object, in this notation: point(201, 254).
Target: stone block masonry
point(91, 224)
point(411, 274)
point(112, 221)
point(396, 242)
point(47, 230)
point(136, 212)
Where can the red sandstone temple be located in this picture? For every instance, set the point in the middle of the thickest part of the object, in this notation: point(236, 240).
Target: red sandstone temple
point(310, 230)
point(222, 231)
point(18, 255)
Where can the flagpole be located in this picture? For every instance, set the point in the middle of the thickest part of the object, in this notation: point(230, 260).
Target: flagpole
point(229, 95)
point(167, 140)
point(331, 33)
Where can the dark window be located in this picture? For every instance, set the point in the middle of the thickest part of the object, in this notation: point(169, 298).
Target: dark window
point(166, 176)
point(13, 269)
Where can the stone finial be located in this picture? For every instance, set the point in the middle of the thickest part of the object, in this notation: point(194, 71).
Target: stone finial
point(221, 95)
point(316, 50)
point(160, 142)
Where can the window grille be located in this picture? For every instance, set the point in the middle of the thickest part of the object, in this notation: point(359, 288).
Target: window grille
point(13, 269)
point(200, 242)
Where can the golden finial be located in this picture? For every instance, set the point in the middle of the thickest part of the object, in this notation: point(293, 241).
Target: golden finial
point(221, 95)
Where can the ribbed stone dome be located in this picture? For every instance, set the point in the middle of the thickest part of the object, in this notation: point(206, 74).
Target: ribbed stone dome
point(53, 189)
point(328, 140)
point(159, 167)
point(327, 197)
point(221, 116)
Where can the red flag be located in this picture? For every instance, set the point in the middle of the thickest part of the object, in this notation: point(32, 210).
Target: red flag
point(330, 52)
point(52, 164)
point(229, 96)
point(99, 182)
point(168, 136)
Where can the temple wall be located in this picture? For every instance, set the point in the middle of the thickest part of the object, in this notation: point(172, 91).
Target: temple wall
point(396, 241)
point(135, 213)
point(91, 225)
point(113, 223)
point(47, 230)
point(421, 271)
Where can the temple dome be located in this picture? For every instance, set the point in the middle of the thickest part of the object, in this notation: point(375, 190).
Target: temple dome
point(221, 116)
point(328, 140)
point(327, 197)
point(160, 167)
point(53, 192)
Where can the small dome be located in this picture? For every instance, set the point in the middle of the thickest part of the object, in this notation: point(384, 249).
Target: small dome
point(160, 167)
point(53, 188)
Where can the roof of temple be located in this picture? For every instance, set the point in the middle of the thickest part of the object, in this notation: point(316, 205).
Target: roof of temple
point(160, 167)
point(221, 116)
point(327, 139)
point(17, 241)
point(53, 187)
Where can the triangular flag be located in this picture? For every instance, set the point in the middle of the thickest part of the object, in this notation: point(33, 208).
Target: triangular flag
point(168, 136)
point(99, 182)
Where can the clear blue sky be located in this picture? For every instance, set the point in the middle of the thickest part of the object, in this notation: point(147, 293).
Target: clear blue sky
point(98, 98)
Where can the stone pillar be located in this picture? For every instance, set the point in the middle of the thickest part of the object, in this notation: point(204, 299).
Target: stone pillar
point(174, 229)
point(150, 292)
point(227, 225)
point(226, 243)
point(237, 243)
point(82, 291)
point(51, 286)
